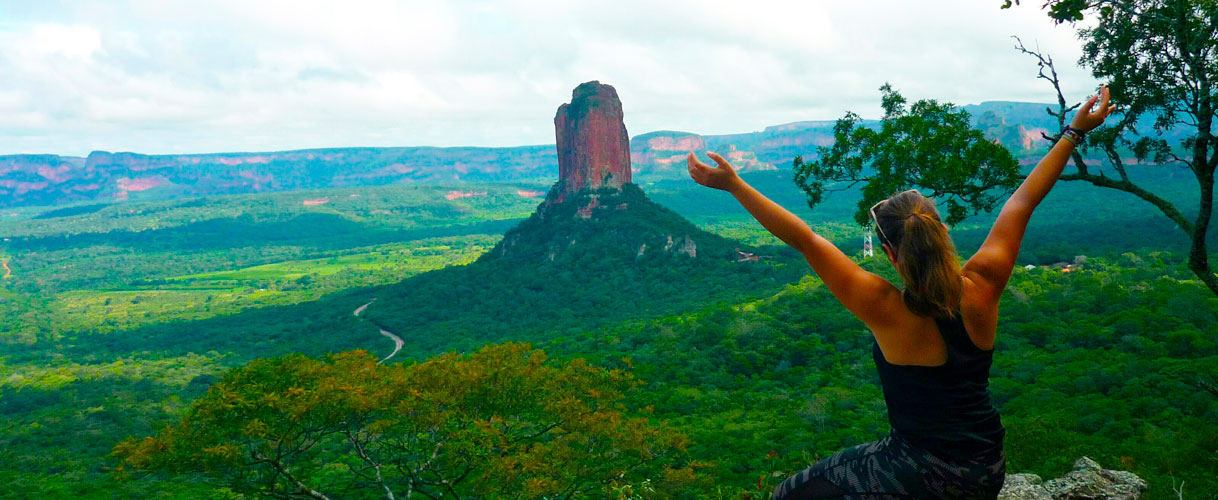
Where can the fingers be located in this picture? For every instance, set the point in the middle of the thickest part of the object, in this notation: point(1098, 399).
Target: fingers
point(1104, 102)
point(697, 169)
point(1086, 108)
point(720, 161)
point(695, 164)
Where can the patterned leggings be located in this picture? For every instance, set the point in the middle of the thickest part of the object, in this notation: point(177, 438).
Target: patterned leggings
point(893, 468)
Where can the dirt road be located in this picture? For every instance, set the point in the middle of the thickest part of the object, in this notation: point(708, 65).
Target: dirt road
point(397, 341)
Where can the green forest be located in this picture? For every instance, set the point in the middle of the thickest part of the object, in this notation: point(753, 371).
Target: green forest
point(739, 372)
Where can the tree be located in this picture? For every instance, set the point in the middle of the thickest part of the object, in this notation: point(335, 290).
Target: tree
point(1064, 10)
point(501, 423)
point(1160, 60)
point(930, 146)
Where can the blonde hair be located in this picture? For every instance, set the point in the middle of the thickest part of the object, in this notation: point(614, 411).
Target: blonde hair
point(925, 254)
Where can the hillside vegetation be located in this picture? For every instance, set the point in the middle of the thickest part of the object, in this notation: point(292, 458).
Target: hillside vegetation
point(753, 362)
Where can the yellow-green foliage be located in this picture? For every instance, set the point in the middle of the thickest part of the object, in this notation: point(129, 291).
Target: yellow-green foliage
point(174, 372)
point(198, 296)
point(501, 423)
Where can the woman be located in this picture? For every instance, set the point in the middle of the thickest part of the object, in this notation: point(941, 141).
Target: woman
point(934, 339)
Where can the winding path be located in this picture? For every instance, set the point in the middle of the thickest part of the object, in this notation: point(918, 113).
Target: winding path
point(397, 341)
point(8, 271)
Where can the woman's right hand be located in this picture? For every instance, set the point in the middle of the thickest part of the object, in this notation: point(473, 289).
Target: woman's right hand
point(722, 177)
point(1089, 117)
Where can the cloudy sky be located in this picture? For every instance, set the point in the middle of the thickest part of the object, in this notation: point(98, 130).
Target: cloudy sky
point(158, 76)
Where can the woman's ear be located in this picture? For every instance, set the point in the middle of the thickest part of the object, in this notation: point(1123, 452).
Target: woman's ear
point(892, 256)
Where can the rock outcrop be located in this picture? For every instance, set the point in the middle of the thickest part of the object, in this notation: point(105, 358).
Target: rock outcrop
point(1088, 481)
point(593, 146)
point(662, 154)
point(594, 212)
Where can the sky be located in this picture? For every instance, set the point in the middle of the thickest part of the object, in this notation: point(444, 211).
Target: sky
point(163, 76)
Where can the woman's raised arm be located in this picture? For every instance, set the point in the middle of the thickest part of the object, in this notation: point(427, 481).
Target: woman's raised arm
point(862, 292)
point(993, 262)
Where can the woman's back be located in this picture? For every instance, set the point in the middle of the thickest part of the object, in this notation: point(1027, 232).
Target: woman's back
point(947, 408)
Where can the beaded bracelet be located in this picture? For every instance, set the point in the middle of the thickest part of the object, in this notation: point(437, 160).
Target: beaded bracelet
point(1073, 135)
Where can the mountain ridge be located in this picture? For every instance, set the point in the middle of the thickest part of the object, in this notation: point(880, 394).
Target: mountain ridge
point(51, 180)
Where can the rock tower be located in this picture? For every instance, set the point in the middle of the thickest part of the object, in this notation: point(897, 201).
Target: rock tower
point(593, 146)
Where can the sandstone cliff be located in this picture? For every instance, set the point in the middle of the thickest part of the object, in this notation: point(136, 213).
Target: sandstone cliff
point(592, 143)
point(103, 176)
point(662, 154)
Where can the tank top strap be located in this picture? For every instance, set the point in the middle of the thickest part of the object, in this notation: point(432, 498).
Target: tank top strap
point(956, 338)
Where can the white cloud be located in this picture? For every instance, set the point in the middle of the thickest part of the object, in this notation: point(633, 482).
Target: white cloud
point(177, 76)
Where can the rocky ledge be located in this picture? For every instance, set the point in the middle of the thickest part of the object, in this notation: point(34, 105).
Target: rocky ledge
point(1088, 481)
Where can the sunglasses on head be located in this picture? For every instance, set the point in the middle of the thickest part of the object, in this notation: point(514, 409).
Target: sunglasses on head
point(884, 237)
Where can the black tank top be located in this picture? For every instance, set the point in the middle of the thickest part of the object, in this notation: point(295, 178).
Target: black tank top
point(945, 409)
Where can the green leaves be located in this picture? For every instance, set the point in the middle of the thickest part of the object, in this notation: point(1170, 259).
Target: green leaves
point(1066, 10)
point(929, 146)
point(501, 423)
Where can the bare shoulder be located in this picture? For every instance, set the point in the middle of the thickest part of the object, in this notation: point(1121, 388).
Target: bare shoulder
point(905, 338)
point(982, 281)
point(882, 304)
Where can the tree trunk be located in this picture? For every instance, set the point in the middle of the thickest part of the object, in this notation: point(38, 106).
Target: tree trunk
point(1203, 166)
point(1198, 256)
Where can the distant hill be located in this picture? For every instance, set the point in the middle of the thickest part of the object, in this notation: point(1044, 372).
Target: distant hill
point(50, 180)
point(53, 180)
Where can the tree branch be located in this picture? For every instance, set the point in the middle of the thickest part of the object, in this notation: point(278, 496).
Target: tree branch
point(1124, 185)
point(300, 486)
point(359, 450)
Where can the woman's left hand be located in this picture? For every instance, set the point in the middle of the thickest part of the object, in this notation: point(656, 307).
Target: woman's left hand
point(1089, 116)
point(722, 177)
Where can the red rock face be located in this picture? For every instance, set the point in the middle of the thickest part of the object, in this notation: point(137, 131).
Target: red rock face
point(593, 146)
point(103, 176)
point(683, 144)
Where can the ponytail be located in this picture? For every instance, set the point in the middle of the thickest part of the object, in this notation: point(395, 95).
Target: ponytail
point(925, 255)
point(926, 259)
